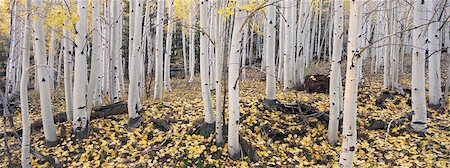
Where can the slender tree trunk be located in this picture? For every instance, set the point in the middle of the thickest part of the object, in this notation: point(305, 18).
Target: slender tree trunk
point(419, 117)
point(26, 126)
point(44, 87)
point(192, 30)
point(168, 51)
point(134, 104)
point(106, 40)
point(115, 51)
point(349, 129)
point(234, 148)
point(434, 60)
point(68, 92)
point(335, 74)
point(159, 50)
point(219, 48)
point(51, 58)
point(269, 46)
point(183, 41)
point(204, 42)
point(95, 59)
point(80, 116)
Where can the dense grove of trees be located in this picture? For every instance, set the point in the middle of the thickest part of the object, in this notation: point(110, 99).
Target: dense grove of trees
point(107, 51)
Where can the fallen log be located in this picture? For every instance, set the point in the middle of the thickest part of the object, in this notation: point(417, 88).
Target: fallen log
point(99, 112)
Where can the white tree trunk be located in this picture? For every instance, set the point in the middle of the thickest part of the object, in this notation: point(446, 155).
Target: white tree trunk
point(351, 90)
point(106, 49)
point(434, 60)
point(204, 76)
point(269, 54)
point(95, 59)
point(192, 18)
point(183, 41)
point(51, 58)
point(335, 74)
point(80, 116)
point(68, 92)
point(168, 51)
point(133, 94)
point(44, 87)
point(219, 48)
point(26, 126)
point(288, 81)
point(234, 148)
point(159, 50)
point(115, 51)
point(419, 117)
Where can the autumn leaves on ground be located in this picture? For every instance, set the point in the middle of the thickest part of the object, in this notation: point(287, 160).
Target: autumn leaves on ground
point(277, 138)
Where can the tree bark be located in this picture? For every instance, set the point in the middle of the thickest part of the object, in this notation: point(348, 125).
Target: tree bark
point(434, 60)
point(234, 148)
point(24, 107)
point(168, 50)
point(419, 117)
point(44, 87)
point(349, 130)
point(159, 50)
point(80, 116)
point(335, 74)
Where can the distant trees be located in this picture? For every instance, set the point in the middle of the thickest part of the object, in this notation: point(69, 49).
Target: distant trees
point(232, 36)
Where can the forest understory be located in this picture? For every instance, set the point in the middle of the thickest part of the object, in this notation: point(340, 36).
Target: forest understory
point(276, 138)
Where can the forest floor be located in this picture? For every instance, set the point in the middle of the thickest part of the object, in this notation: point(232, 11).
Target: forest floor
point(279, 139)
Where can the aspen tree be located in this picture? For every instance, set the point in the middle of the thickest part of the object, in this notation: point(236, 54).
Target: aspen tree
point(192, 20)
point(68, 92)
point(168, 50)
point(115, 51)
point(80, 115)
point(51, 58)
point(42, 74)
point(335, 74)
point(95, 58)
point(24, 107)
point(269, 45)
point(434, 47)
point(159, 50)
point(219, 48)
point(134, 106)
point(183, 41)
point(204, 76)
point(418, 103)
point(349, 131)
point(234, 148)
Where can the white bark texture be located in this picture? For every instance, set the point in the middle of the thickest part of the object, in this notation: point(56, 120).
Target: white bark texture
point(419, 117)
point(159, 50)
point(24, 107)
point(115, 52)
point(234, 148)
point(133, 94)
point(204, 76)
point(192, 18)
point(335, 74)
point(434, 60)
point(351, 90)
point(168, 51)
point(269, 45)
point(80, 116)
point(95, 59)
point(44, 87)
point(68, 92)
